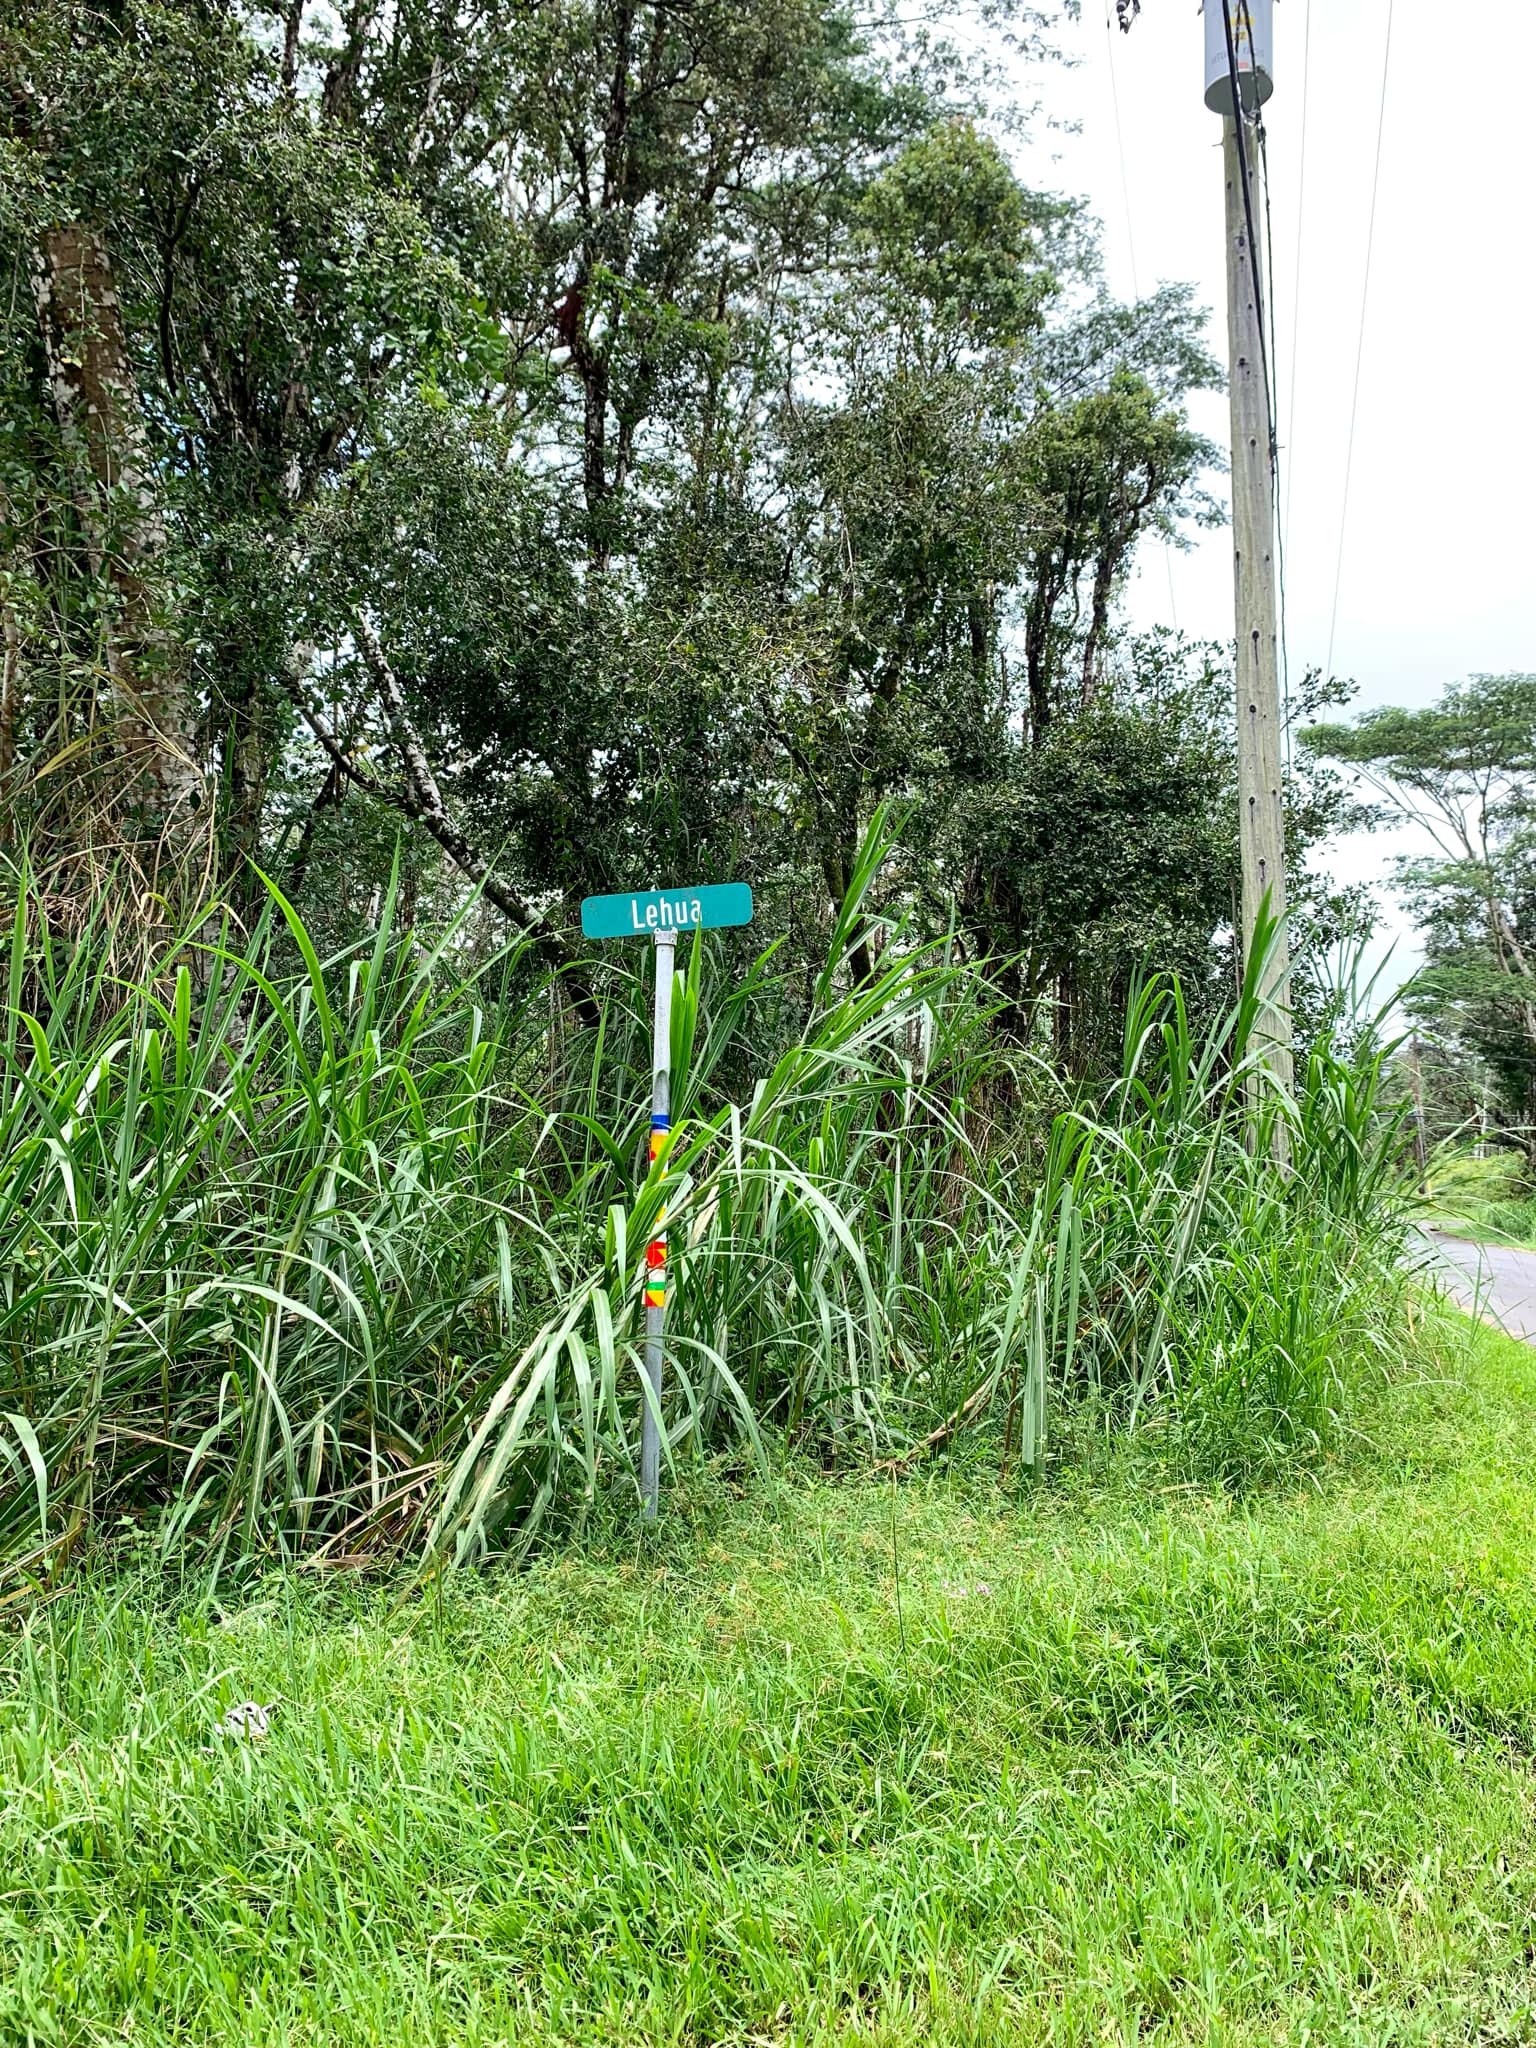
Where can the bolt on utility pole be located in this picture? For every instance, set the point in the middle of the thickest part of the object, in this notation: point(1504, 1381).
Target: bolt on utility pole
point(1239, 44)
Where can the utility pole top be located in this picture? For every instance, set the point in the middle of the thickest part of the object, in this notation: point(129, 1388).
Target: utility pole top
point(1239, 37)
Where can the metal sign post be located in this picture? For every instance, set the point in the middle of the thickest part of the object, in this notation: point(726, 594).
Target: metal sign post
point(656, 1250)
point(661, 914)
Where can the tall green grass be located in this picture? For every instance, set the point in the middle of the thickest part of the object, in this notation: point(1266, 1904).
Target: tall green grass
point(341, 1258)
point(1132, 1765)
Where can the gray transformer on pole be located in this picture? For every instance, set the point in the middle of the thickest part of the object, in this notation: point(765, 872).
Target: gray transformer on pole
point(1252, 25)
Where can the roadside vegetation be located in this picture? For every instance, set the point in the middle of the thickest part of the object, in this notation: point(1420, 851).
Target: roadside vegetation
point(1094, 1757)
point(596, 449)
point(1485, 1197)
point(341, 1259)
point(459, 460)
point(1460, 774)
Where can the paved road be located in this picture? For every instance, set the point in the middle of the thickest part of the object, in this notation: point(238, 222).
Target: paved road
point(1493, 1280)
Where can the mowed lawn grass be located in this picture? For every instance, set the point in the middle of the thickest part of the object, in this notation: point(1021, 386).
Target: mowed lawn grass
point(1121, 1764)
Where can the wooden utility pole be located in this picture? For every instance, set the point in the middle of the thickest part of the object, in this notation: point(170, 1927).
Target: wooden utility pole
point(1238, 81)
point(1259, 726)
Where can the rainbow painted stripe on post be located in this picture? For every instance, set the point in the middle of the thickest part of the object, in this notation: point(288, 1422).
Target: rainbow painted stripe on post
point(656, 1250)
point(656, 1272)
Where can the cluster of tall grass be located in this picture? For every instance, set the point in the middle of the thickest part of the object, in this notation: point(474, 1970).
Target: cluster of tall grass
point(1489, 1196)
point(340, 1259)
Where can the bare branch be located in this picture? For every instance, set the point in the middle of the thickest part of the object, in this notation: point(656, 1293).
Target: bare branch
point(314, 718)
point(422, 799)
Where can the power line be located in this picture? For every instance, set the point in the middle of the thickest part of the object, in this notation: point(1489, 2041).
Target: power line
point(1365, 292)
point(1130, 243)
point(1274, 460)
point(1125, 183)
point(1301, 206)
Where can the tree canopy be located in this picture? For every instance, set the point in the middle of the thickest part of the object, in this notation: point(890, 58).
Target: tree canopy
point(600, 440)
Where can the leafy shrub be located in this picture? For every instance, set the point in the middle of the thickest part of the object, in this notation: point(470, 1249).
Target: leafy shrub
point(343, 1256)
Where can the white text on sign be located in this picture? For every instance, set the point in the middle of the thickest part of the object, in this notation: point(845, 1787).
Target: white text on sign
point(665, 913)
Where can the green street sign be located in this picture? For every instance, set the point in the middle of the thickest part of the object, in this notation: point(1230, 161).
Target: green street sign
point(666, 910)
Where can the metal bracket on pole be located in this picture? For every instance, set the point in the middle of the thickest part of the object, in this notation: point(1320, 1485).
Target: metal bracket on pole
point(656, 1250)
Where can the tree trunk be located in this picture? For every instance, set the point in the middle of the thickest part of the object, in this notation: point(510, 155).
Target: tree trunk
point(292, 25)
point(1098, 620)
point(1066, 1018)
point(10, 664)
point(246, 761)
point(1039, 622)
point(117, 494)
point(839, 849)
point(336, 95)
point(978, 624)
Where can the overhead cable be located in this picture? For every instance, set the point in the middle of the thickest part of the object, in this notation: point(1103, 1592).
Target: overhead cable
point(1130, 243)
point(1365, 291)
point(1301, 205)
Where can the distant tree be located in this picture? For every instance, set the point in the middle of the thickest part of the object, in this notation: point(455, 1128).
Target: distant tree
point(1464, 771)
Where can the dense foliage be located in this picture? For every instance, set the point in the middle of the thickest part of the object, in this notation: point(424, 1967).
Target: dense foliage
point(610, 441)
point(454, 459)
point(346, 1257)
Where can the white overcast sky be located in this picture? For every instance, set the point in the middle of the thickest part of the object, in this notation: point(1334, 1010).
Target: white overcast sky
point(1436, 580)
